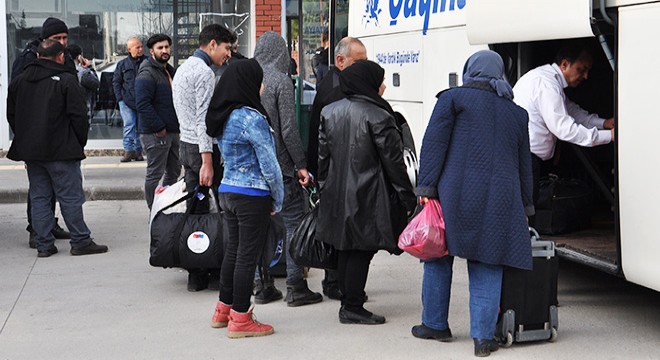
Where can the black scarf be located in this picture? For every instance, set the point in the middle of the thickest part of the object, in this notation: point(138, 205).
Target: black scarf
point(364, 77)
point(239, 86)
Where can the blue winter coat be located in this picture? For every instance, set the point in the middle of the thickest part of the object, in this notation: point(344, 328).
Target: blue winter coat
point(475, 158)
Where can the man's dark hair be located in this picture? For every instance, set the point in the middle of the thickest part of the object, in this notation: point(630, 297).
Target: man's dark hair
point(215, 32)
point(74, 50)
point(50, 49)
point(572, 51)
point(158, 38)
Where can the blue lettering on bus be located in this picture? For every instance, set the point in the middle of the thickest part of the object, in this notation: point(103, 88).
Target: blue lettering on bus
point(410, 8)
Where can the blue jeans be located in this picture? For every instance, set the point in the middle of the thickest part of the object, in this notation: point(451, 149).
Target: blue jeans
point(485, 288)
point(131, 139)
point(64, 180)
point(293, 210)
point(162, 162)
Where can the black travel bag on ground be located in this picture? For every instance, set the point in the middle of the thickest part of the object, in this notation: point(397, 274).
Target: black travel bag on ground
point(528, 305)
point(187, 240)
point(564, 205)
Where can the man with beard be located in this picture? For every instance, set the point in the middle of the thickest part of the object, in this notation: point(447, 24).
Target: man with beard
point(158, 125)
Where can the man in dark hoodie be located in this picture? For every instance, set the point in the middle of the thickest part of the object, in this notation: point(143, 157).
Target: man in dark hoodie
point(278, 100)
point(347, 51)
point(158, 125)
point(53, 29)
point(46, 106)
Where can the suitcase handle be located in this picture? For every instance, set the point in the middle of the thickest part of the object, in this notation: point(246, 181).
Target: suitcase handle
point(535, 234)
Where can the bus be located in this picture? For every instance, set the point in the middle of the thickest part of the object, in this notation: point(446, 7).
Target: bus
point(423, 45)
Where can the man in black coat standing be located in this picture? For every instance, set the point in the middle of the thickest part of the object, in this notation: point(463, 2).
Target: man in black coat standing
point(347, 51)
point(46, 110)
point(53, 29)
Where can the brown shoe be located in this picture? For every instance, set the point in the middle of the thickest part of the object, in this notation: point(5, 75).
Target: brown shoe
point(128, 156)
point(138, 156)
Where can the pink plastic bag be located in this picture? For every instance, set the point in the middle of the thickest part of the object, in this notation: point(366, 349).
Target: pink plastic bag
point(424, 237)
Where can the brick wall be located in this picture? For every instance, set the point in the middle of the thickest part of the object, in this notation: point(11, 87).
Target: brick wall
point(268, 16)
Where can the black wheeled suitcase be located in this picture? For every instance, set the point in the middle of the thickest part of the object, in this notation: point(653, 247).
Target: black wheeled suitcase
point(528, 305)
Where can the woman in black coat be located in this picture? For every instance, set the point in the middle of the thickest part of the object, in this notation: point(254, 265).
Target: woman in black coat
point(365, 190)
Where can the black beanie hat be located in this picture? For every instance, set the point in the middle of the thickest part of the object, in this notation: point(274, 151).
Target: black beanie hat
point(53, 26)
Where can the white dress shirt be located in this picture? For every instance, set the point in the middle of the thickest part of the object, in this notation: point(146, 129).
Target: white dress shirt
point(552, 116)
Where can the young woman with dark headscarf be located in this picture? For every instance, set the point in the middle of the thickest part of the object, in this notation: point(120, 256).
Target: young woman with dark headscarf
point(365, 190)
point(475, 159)
point(251, 190)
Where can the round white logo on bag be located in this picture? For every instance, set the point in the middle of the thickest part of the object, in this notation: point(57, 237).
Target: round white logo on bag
point(198, 242)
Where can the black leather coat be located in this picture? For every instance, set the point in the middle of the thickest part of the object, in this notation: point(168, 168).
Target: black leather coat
point(365, 191)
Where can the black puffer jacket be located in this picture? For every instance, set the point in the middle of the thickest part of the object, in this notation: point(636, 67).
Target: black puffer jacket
point(365, 191)
point(47, 112)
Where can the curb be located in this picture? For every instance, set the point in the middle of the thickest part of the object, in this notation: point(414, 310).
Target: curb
point(91, 194)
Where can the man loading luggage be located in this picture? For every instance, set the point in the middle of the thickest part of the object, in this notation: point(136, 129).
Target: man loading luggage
point(552, 116)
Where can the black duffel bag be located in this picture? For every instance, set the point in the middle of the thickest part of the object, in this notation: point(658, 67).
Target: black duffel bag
point(564, 205)
point(307, 250)
point(187, 240)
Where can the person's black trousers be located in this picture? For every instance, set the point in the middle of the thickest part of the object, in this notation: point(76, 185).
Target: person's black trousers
point(246, 219)
point(353, 268)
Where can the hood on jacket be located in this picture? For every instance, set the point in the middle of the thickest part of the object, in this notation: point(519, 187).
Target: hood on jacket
point(42, 69)
point(271, 52)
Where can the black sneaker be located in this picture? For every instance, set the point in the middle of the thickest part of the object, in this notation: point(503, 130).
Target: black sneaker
point(267, 294)
point(363, 317)
point(91, 248)
point(424, 332)
point(331, 290)
point(60, 233)
point(299, 294)
point(483, 348)
point(197, 281)
point(47, 253)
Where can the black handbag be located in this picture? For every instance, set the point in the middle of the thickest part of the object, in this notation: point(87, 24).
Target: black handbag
point(306, 249)
point(187, 240)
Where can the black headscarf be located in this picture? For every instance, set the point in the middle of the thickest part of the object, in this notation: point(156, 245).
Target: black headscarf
point(239, 86)
point(364, 77)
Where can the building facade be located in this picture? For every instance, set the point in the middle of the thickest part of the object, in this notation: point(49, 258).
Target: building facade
point(102, 28)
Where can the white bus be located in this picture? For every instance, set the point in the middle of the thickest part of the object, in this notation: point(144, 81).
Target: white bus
point(423, 45)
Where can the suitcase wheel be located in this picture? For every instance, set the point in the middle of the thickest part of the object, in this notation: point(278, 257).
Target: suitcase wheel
point(553, 335)
point(509, 340)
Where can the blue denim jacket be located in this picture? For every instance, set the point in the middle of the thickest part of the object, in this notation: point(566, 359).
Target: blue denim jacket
point(248, 148)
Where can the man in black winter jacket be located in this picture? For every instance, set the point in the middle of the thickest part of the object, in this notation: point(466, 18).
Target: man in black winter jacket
point(53, 29)
point(158, 125)
point(46, 110)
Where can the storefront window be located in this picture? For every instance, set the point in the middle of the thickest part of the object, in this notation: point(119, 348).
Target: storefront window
point(102, 28)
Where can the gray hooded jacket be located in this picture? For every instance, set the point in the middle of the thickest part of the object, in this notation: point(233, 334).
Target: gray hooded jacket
point(279, 101)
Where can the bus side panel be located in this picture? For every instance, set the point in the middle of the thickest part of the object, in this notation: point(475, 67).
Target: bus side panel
point(445, 52)
point(638, 126)
point(401, 57)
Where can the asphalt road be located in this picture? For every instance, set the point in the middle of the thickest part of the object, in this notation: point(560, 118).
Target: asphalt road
point(115, 306)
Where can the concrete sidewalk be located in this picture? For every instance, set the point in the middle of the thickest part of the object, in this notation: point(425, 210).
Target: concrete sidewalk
point(116, 306)
point(105, 178)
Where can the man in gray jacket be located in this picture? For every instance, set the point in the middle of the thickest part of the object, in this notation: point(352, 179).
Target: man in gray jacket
point(278, 100)
point(192, 89)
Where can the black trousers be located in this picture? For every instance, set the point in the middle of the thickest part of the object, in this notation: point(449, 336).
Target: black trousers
point(540, 168)
point(246, 219)
point(352, 270)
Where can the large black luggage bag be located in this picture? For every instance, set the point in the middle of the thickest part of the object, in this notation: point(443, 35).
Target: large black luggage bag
point(563, 206)
point(528, 306)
